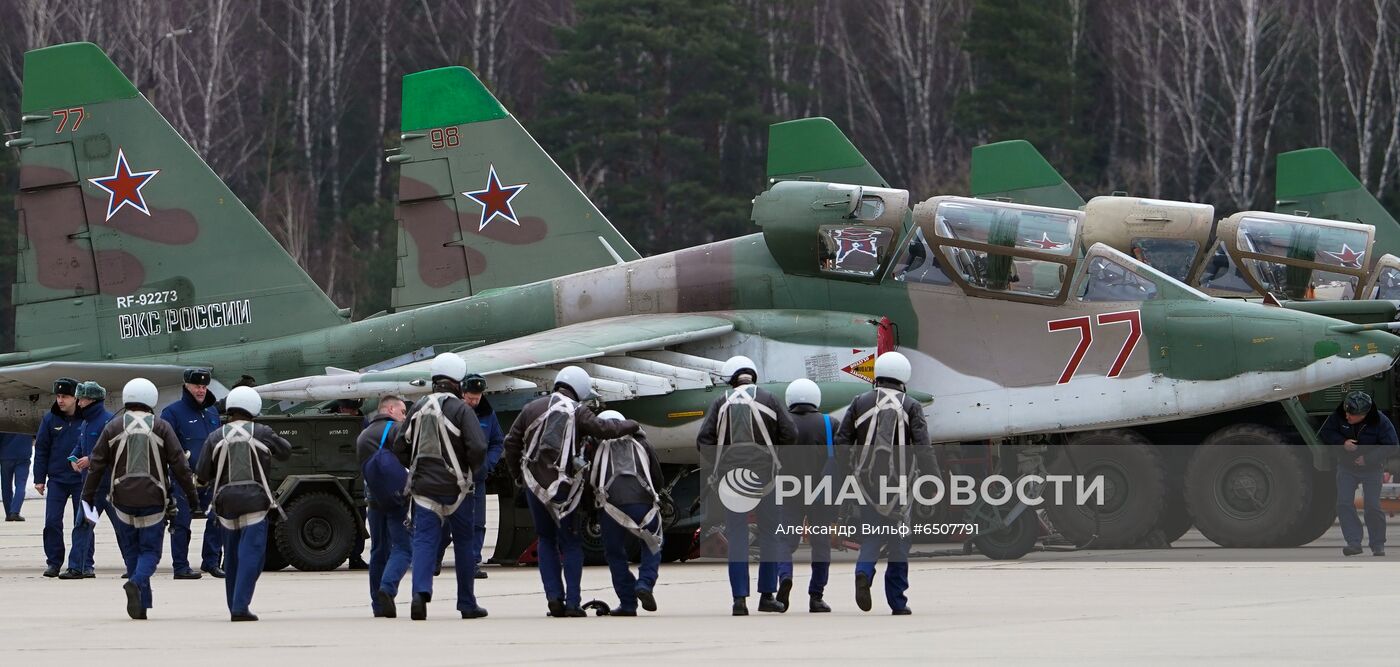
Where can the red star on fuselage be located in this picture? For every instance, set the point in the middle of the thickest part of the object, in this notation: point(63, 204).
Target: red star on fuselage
point(495, 200)
point(123, 187)
point(1347, 256)
point(1044, 242)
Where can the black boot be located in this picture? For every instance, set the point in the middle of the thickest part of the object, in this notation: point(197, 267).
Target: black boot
point(478, 612)
point(862, 591)
point(245, 616)
point(215, 571)
point(817, 605)
point(741, 606)
point(134, 608)
point(419, 610)
point(574, 612)
point(784, 590)
point(1346, 551)
point(386, 604)
point(647, 599)
point(902, 611)
point(71, 573)
point(766, 602)
point(356, 563)
point(556, 608)
point(51, 572)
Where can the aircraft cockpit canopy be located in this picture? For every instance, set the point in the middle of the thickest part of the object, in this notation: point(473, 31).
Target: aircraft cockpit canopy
point(990, 248)
point(1294, 257)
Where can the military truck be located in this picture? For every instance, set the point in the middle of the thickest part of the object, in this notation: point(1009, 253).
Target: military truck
point(319, 490)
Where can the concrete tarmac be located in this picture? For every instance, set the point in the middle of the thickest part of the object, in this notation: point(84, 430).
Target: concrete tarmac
point(1193, 602)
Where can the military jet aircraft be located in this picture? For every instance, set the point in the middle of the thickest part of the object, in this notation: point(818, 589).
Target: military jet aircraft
point(136, 259)
point(1244, 485)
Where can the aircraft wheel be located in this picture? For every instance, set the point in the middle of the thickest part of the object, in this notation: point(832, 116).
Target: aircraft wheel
point(1322, 511)
point(1134, 489)
point(593, 540)
point(1013, 541)
point(1246, 486)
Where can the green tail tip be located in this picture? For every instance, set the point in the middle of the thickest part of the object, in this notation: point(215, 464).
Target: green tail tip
point(447, 96)
point(1311, 171)
point(1010, 165)
point(71, 75)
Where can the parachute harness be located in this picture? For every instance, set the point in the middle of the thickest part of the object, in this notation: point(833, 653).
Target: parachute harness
point(431, 433)
point(234, 455)
point(141, 448)
point(552, 433)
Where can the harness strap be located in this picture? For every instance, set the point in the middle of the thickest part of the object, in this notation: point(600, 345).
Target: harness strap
point(886, 399)
point(830, 446)
point(650, 537)
point(566, 406)
point(445, 429)
point(235, 432)
point(138, 521)
point(757, 411)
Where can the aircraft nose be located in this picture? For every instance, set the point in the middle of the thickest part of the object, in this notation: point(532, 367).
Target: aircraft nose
point(1354, 341)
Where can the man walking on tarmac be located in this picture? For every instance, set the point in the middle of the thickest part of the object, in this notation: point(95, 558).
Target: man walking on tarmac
point(138, 448)
point(738, 441)
point(812, 457)
point(233, 463)
point(93, 417)
point(390, 544)
point(882, 439)
point(194, 416)
point(55, 477)
point(441, 444)
point(544, 453)
point(1362, 438)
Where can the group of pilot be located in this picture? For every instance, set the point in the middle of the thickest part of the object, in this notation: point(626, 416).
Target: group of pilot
point(425, 467)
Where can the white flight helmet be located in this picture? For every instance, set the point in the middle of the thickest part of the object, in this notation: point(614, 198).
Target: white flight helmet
point(736, 364)
point(245, 399)
point(448, 365)
point(803, 390)
point(576, 379)
point(894, 366)
point(141, 392)
point(611, 415)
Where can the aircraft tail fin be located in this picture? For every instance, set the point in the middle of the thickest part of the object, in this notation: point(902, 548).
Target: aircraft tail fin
point(481, 205)
point(814, 148)
point(1015, 170)
point(1316, 181)
point(129, 244)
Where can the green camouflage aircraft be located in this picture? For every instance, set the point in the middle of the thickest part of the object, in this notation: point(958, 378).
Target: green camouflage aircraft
point(136, 259)
point(1320, 262)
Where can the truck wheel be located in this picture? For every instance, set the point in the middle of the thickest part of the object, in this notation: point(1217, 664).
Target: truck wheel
point(1013, 541)
point(1135, 487)
point(273, 560)
point(317, 534)
point(1322, 511)
point(1246, 486)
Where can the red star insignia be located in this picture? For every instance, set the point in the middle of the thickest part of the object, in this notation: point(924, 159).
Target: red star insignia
point(123, 187)
point(495, 200)
point(1347, 256)
point(1044, 242)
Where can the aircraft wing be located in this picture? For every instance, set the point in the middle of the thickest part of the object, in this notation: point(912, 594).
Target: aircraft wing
point(23, 380)
point(625, 356)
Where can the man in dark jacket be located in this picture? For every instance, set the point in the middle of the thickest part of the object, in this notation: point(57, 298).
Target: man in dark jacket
point(136, 449)
point(1362, 438)
point(545, 457)
point(93, 417)
point(15, 451)
point(474, 393)
point(441, 444)
point(54, 476)
point(626, 475)
point(194, 417)
point(390, 544)
point(745, 429)
point(811, 459)
point(233, 464)
point(883, 433)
